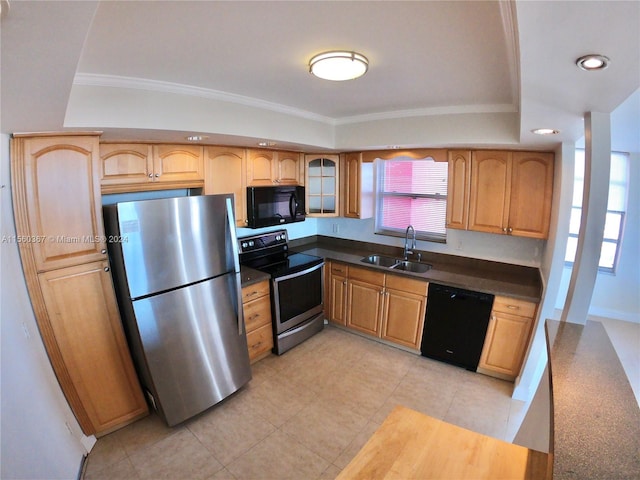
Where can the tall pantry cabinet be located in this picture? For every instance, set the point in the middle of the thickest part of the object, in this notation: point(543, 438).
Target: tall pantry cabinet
point(60, 233)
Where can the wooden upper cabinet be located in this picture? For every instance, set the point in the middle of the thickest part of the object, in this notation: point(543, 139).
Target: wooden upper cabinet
point(357, 186)
point(511, 193)
point(224, 172)
point(490, 184)
point(125, 163)
point(62, 197)
point(531, 194)
point(458, 186)
point(139, 166)
point(269, 167)
point(178, 163)
point(88, 334)
point(289, 168)
point(322, 182)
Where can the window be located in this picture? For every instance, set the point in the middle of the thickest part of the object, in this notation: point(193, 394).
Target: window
point(412, 192)
point(616, 207)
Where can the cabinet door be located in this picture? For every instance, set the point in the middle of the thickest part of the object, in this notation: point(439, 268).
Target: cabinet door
point(322, 181)
point(403, 318)
point(57, 186)
point(531, 194)
point(260, 167)
point(357, 187)
point(178, 163)
point(505, 344)
point(287, 168)
point(352, 185)
point(338, 305)
point(459, 184)
point(125, 164)
point(490, 184)
point(224, 172)
point(87, 330)
point(364, 310)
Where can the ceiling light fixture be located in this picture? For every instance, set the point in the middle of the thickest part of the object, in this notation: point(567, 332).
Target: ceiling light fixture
point(545, 131)
point(338, 65)
point(195, 138)
point(266, 144)
point(592, 62)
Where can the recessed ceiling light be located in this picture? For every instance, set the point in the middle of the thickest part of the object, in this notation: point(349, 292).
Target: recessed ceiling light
point(339, 65)
point(593, 62)
point(266, 144)
point(195, 138)
point(545, 131)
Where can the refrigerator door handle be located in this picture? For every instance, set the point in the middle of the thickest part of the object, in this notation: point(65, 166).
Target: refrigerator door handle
point(234, 239)
point(236, 261)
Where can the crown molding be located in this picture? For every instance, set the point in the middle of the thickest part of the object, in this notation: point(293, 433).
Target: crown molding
point(117, 81)
point(99, 80)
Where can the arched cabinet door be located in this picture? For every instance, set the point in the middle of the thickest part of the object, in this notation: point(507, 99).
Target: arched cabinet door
point(322, 185)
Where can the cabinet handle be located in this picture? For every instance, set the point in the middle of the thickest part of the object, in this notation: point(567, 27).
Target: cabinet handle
point(509, 229)
point(157, 175)
point(151, 175)
point(344, 283)
point(103, 251)
point(504, 229)
point(513, 307)
point(252, 293)
point(106, 269)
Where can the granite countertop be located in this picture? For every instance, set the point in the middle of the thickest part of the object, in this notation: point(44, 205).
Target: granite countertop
point(484, 276)
point(595, 414)
point(249, 276)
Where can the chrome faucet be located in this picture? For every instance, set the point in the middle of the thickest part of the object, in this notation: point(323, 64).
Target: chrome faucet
point(407, 252)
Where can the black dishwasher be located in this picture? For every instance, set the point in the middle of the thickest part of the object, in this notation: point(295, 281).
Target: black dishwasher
point(455, 325)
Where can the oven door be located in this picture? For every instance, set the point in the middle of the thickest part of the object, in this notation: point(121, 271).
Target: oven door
point(297, 297)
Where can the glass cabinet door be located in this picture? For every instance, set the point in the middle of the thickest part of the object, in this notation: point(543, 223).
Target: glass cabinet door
point(322, 185)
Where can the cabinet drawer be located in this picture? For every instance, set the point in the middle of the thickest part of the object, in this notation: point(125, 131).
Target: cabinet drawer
point(254, 291)
point(368, 276)
point(514, 306)
point(339, 269)
point(260, 341)
point(257, 313)
point(409, 285)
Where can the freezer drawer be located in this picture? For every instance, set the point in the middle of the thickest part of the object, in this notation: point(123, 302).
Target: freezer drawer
point(191, 346)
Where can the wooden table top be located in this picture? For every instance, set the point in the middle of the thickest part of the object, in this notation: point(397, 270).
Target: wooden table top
point(411, 445)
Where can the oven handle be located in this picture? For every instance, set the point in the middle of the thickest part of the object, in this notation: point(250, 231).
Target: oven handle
point(236, 261)
point(298, 274)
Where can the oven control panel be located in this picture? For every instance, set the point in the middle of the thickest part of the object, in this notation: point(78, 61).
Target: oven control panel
point(275, 240)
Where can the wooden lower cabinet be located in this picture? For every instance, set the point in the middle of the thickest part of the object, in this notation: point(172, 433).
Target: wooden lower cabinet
point(507, 337)
point(390, 307)
point(337, 298)
point(365, 295)
point(87, 331)
point(405, 305)
point(256, 304)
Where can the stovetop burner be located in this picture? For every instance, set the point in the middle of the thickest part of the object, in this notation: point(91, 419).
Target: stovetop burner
point(269, 253)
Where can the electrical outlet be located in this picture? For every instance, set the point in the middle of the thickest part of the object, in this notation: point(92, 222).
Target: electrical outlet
point(336, 228)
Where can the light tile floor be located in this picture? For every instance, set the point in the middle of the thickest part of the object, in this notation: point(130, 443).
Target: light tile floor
point(305, 415)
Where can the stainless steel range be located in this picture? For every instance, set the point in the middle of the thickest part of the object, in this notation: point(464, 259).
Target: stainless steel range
point(296, 286)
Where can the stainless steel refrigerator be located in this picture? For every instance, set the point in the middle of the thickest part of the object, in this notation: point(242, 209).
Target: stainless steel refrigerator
point(177, 278)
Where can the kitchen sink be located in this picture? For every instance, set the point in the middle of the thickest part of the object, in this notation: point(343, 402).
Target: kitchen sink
point(396, 264)
point(380, 260)
point(409, 266)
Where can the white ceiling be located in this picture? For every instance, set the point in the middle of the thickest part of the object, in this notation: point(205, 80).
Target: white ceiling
point(444, 60)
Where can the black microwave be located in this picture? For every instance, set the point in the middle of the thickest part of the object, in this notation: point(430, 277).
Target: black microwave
point(277, 205)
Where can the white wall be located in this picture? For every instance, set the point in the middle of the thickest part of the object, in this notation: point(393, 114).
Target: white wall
point(40, 436)
point(616, 295)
